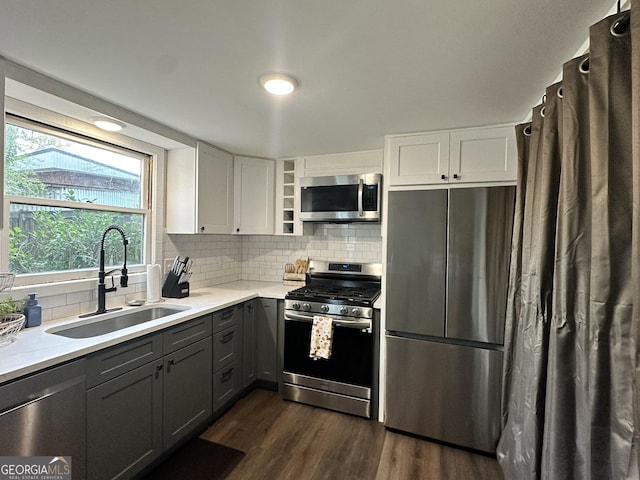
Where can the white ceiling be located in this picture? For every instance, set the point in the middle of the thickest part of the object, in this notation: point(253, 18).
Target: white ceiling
point(367, 68)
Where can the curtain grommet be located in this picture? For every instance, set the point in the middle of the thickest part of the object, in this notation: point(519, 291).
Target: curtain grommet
point(621, 26)
point(559, 92)
point(584, 66)
point(527, 130)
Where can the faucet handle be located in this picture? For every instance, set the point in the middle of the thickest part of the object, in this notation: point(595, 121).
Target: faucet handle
point(113, 284)
point(124, 278)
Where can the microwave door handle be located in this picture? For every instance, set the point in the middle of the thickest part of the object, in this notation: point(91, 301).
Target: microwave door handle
point(360, 193)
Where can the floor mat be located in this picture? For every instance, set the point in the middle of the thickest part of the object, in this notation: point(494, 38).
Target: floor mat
point(198, 459)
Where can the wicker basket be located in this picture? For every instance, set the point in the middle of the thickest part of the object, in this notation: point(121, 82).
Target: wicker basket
point(10, 325)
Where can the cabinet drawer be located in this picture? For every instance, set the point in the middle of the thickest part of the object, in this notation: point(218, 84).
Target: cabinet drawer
point(226, 383)
point(186, 333)
point(225, 347)
point(223, 319)
point(120, 359)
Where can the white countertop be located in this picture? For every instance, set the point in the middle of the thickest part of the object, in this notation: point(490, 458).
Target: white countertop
point(35, 349)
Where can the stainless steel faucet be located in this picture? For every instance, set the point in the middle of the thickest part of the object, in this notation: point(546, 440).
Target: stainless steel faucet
point(124, 278)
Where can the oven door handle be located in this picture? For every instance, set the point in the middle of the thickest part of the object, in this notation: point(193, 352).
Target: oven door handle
point(359, 323)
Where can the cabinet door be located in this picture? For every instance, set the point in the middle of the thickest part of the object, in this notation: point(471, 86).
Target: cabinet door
point(199, 190)
point(267, 333)
point(416, 261)
point(187, 390)
point(418, 159)
point(254, 193)
point(215, 190)
point(483, 155)
point(249, 344)
point(124, 423)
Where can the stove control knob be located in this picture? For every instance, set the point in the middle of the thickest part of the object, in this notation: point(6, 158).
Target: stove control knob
point(355, 312)
point(306, 307)
point(324, 308)
point(295, 305)
point(344, 310)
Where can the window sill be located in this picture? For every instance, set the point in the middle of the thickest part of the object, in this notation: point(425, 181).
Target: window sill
point(67, 287)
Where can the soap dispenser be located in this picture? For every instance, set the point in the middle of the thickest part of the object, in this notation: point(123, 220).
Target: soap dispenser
point(33, 312)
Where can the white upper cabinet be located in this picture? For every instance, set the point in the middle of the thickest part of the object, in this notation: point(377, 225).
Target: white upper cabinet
point(459, 156)
point(199, 190)
point(483, 155)
point(254, 193)
point(418, 159)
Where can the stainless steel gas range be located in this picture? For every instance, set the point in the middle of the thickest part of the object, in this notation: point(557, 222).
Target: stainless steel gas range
point(347, 380)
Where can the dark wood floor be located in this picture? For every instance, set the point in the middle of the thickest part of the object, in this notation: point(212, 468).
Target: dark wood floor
point(286, 440)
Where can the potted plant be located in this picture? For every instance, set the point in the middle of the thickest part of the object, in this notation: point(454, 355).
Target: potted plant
point(11, 319)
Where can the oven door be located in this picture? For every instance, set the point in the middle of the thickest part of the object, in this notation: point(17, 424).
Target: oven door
point(351, 360)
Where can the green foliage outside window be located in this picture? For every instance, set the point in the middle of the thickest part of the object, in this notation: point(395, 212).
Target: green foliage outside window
point(54, 239)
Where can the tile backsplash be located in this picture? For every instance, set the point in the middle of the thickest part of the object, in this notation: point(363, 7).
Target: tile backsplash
point(220, 259)
point(264, 256)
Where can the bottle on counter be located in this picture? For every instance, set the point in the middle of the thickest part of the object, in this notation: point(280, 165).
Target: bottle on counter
point(33, 312)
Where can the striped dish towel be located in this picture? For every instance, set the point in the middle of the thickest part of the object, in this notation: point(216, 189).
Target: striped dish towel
point(321, 333)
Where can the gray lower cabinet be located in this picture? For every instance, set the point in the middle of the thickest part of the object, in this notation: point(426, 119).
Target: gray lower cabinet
point(249, 354)
point(267, 335)
point(227, 355)
point(124, 423)
point(162, 393)
point(47, 409)
point(187, 391)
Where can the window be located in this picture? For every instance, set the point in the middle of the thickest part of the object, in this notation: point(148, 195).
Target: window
point(62, 190)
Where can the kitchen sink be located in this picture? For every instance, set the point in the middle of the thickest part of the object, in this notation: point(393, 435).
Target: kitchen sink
point(112, 322)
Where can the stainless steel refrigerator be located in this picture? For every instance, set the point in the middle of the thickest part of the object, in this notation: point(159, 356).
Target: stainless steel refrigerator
point(446, 286)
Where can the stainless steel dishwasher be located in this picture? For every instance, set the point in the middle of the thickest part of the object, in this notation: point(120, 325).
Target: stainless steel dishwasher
point(44, 414)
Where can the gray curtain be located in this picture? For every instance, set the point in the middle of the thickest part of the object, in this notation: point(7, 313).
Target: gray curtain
point(570, 400)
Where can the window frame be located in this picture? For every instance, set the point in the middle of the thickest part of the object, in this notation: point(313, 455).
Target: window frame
point(36, 118)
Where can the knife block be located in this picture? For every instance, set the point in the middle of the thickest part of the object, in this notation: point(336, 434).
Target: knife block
point(173, 289)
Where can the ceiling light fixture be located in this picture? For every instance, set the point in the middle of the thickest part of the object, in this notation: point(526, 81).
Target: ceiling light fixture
point(108, 124)
point(278, 83)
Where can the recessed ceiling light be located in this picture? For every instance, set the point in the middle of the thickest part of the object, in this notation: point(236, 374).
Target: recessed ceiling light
point(108, 124)
point(278, 83)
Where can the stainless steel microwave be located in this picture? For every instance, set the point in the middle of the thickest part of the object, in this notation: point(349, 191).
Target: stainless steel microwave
point(341, 198)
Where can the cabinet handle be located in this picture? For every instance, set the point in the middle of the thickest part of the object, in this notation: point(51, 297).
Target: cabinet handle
point(202, 229)
point(227, 315)
point(158, 370)
point(237, 229)
point(226, 338)
point(443, 177)
point(456, 176)
point(169, 363)
point(226, 375)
